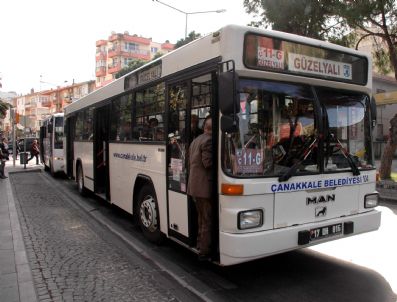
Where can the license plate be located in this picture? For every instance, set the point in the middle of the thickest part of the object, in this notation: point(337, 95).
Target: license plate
point(326, 231)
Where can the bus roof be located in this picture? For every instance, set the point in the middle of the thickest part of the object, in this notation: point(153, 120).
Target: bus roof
point(226, 44)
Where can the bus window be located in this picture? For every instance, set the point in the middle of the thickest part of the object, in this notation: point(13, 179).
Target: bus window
point(276, 125)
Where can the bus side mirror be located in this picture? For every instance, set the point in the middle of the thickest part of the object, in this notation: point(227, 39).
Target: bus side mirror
point(228, 100)
point(373, 112)
point(229, 123)
point(50, 128)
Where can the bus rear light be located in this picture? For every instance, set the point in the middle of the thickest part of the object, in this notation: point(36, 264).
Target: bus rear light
point(371, 200)
point(250, 219)
point(231, 189)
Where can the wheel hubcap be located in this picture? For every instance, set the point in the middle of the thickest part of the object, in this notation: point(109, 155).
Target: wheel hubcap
point(148, 214)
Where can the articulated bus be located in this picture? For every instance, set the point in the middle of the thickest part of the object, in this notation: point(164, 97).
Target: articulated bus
point(51, 143)
point(292, 148)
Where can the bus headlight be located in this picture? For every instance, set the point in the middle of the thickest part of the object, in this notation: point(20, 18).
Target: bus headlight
point(58, 158)
point(250, 219)
point(371, 200)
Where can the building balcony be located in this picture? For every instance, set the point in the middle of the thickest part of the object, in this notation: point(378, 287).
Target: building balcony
point(100, 71)
point(132, 53)
point(114, 52)
point(100, 43)
point(47, 103)
point(114, 68)
point(100, 56)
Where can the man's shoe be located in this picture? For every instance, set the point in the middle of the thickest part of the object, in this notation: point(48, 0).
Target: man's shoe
point(3, 177)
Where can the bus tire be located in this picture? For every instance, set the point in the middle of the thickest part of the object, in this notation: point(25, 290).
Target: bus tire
point(148, 215)
point(52, 169)
point(80, 181)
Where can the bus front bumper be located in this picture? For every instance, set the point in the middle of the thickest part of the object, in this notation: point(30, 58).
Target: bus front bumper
point(238, 248)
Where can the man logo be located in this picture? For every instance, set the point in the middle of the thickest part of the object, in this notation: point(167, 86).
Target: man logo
point(321, 211)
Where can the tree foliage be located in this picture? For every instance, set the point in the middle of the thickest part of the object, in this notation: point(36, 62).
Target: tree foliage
point(3, 109)
point(310, 18)
point(376, 19)
point(131, 66)
point(191, 37)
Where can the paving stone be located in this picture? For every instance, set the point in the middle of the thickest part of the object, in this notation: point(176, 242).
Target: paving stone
point(70, 261)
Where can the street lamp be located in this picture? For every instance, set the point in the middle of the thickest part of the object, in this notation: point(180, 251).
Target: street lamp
point(191, 13)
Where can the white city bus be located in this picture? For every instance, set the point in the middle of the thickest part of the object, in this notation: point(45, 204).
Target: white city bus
point(292, 153)
point(51, 143)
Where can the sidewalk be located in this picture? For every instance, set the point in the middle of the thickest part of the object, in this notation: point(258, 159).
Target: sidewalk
point(16, 283)
point(387, 188)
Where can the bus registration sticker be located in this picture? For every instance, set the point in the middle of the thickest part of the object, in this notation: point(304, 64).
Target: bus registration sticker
point(326, 231)
point(249, 160)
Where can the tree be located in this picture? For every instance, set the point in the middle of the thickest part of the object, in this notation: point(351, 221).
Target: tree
point(191, 37)
point(388, 153)
point(310, 18)
point(131, 66)
point(3, 109)
point(376, 19)
point(342, 22)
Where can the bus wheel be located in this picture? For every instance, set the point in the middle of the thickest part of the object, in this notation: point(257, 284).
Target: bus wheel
point(148, 215)
point(80, 181)
point(52, 170)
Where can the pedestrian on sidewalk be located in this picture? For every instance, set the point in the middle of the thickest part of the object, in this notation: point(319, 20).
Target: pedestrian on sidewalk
point(34, 151)
point(3, 156)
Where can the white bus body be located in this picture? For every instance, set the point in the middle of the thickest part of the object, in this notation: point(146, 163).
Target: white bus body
point(51, 143)
point(261, 209)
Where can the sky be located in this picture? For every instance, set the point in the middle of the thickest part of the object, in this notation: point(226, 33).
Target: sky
point(44, 43)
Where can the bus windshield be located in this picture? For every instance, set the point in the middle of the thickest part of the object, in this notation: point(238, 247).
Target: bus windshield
point(279, 131)
point(58, 132)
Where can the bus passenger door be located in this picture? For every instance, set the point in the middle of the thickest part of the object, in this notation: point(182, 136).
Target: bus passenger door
point(189, 102)
point(101, 147)
point(69, 129)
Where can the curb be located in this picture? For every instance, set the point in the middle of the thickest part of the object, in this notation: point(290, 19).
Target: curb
point(387, 189)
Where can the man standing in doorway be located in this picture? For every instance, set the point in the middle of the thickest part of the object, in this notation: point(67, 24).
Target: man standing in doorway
point(200, 186)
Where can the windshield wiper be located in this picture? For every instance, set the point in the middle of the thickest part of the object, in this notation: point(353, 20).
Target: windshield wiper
point(287, 175)
point(347, 155)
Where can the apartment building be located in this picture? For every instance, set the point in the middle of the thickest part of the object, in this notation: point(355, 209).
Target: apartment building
point(34, 107)
point(115, 53)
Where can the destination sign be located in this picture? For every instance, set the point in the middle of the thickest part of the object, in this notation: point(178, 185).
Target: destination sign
point(277, 55)
point(312, 65)
point(143, 76)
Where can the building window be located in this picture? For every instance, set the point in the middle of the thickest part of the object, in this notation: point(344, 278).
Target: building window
point(154, 49)
point(131, 47)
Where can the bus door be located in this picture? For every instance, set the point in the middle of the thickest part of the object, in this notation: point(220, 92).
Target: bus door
point(69, 132)
point(101, 147)
point(189, 102)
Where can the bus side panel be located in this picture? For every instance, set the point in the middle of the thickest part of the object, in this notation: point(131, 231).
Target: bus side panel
point(126, 162)
point(84, 151)
point(46, 151)
point(58, 164)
